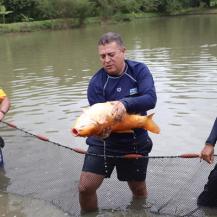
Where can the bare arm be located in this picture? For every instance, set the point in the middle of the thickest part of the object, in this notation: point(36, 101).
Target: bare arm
point(5, 105)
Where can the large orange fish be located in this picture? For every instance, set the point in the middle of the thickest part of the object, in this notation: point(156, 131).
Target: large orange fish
point(98, 117)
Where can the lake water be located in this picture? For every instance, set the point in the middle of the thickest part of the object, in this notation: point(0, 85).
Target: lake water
point(45, 75)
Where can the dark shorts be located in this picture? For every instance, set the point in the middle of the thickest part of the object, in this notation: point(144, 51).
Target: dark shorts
point(127, 169)
point(209, 195)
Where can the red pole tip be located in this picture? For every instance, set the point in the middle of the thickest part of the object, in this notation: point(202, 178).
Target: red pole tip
point(80, 151)
point(12, 125)
point(132, 156)
point(190, 155)
point(44, 138)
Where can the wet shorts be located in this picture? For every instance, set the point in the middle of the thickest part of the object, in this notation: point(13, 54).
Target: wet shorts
point(127, 169)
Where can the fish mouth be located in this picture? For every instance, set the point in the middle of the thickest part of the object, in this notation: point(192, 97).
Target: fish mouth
point(75, 132)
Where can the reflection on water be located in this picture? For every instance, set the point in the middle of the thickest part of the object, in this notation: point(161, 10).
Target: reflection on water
point(46, 75)
point(14, 205)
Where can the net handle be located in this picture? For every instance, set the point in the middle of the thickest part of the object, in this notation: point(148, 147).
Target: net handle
point(189, 155)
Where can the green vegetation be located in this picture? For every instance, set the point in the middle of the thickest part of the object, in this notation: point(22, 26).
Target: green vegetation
point(31, 15)
point(39, 25)
point(4, 12)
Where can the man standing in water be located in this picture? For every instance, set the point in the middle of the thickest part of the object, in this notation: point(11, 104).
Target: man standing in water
point(130, 86)
point(209, 195)
point(4, 107)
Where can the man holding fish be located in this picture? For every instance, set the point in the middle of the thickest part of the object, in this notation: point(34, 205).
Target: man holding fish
point(129, 87)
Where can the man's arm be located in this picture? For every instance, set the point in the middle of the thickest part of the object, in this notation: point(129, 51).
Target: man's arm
point(5, 105)
point(147, 94)
point(213, 135)
point(94, 93)
point(208, 150)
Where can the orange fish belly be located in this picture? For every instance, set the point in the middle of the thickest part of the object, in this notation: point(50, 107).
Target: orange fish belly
point(130, 122)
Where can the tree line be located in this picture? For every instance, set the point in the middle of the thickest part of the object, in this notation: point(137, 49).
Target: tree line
point(33, 10)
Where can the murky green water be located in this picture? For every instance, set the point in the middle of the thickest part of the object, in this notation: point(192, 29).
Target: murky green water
point(45, 74)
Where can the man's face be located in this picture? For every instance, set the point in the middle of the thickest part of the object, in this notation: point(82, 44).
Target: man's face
point(112, 58)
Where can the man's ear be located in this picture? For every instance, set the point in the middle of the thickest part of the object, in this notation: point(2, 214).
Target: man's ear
point(123, 49)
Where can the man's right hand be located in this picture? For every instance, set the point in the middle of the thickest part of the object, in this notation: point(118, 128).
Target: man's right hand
point(207, 153)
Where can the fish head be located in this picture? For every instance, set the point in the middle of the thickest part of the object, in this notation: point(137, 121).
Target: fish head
point(93, 120)
point(84, 125)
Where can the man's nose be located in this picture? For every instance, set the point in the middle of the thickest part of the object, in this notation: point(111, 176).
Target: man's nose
point(107, 58)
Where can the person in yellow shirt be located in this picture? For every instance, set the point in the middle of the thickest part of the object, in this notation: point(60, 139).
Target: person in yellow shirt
point(4, 104)
point(4, 107)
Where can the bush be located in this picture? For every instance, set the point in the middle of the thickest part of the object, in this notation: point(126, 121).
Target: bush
point(24, 7)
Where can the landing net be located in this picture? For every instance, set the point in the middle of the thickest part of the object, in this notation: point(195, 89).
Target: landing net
point(47, 171)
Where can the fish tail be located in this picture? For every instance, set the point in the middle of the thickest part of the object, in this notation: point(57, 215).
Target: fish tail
point(150, 125)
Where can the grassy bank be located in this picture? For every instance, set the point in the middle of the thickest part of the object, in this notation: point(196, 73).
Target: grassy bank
point(57, 24)
point(39, 25)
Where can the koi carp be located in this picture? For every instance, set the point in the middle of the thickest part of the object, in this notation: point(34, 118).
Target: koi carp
point(98, 117)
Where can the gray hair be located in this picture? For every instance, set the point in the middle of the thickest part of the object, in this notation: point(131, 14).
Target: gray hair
point(111, 37)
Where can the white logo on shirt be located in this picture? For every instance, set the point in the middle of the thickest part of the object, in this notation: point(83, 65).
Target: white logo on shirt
point(133, 91)
point(119, 89)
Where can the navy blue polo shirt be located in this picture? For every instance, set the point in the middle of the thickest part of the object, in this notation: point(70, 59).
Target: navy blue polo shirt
point(135, 89)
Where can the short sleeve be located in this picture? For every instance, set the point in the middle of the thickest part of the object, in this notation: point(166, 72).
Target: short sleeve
point(2, 94)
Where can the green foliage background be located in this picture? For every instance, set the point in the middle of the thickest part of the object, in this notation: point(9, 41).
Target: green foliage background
point(29, 10)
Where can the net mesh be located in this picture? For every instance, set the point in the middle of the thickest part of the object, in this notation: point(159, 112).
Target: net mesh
point(45, 171)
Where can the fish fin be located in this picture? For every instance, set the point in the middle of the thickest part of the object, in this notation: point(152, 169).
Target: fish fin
point(151, 125)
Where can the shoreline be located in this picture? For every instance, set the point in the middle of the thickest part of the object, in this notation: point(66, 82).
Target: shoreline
point(71, 23)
